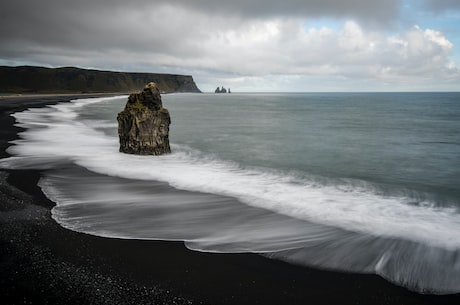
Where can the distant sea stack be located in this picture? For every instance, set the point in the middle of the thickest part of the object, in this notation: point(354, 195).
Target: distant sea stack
point(38, 80)
point(222, 90)
point(143, 126)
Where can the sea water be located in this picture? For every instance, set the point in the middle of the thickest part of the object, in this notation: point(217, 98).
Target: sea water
point(360, 182)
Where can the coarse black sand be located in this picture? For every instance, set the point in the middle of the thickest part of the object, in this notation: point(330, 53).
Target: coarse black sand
point(43, 263)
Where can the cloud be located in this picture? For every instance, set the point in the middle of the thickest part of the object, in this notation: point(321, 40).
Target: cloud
point(370, 10)
point(88, 23)
point(441, 5)
point(286, 47)
point(349, 54)
point(255, 41)
point(377, 10)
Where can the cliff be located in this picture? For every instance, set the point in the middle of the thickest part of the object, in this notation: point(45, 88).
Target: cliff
point(143, 126)
point(29, 79)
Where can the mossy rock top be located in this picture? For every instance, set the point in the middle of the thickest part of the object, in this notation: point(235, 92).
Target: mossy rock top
point(149, 98)
point(150, 85)
point(143, 126)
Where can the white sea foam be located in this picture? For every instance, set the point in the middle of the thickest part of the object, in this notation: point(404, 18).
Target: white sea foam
point(348, 207)
point(57, 133)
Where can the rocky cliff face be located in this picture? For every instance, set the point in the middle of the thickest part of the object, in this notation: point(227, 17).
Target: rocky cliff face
point(28, 79)
point(143, 126)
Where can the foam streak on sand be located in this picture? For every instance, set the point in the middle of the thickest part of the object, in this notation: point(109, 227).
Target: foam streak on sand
point(301, 218)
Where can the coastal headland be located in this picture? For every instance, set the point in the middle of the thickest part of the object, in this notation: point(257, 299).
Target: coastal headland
point(44, 263)
point(71, 80)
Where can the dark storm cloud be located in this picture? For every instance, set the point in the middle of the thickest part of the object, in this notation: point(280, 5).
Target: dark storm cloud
point(153, 26)
point(361, 9)
point(442, 5)
point(267, 41)
point(49, 21)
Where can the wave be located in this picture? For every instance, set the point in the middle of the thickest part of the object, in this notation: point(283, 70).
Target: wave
point(346, 225)
point(135, 209)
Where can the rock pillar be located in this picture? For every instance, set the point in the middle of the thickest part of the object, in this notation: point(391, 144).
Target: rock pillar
point(143, 126)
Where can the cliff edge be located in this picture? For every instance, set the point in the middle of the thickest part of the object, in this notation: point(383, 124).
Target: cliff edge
point(37, 80)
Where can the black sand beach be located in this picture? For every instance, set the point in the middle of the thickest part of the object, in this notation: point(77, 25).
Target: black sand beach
point(43, 263)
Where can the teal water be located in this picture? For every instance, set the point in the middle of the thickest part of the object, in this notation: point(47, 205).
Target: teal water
point(399, 140)
point(360, 182)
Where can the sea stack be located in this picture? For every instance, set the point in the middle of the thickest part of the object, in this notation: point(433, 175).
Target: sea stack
point(143, 126)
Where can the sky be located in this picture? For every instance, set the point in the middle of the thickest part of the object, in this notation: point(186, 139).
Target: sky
point(247, 45)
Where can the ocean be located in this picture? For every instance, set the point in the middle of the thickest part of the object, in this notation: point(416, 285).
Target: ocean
point(354, 182)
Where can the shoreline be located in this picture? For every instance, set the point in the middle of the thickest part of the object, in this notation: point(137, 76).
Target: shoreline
point(53, 98)
point(42, 262)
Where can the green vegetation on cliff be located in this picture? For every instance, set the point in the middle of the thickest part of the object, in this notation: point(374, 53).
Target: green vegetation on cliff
point(30, 79)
